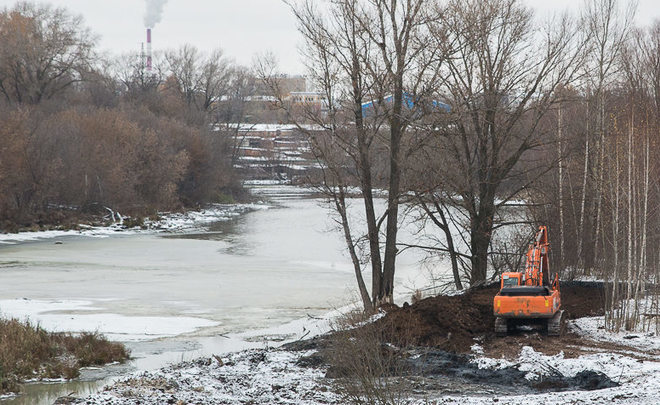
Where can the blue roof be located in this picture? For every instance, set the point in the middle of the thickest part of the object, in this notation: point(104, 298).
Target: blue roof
point(408, 101)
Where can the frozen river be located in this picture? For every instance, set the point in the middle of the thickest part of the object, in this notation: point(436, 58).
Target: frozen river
point(175, 296)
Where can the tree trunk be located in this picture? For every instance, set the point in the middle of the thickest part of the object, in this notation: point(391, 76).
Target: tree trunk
point(630, 221)
point(615, 239)
point(560, 168)
point(480, 237)
point(642, 256)
point(370, 214)
point(601, 170)
point(585, 175)
point(340, 205)
point(443, 224)
point(387, 294)
point(453, 256)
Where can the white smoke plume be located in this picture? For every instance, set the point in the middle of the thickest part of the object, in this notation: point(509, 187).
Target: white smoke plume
point(154, 12)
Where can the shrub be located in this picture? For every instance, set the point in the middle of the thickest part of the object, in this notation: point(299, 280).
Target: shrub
point(367, 369)
point(29, 351)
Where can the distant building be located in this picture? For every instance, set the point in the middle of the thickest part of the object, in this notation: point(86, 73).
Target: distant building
point(370, 107)
point(286, 85)
point(315, 101)
point(263, 105)
point(273, 151)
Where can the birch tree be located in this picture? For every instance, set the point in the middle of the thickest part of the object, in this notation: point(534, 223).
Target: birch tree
point(608, 25)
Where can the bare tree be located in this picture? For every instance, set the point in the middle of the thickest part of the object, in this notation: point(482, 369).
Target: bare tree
point(371, 61)
point(202, 79)
point(230, 113)
point(500, 79)
point(43, 51)
point(634, 120)
point(335, 63)
point(130, 70)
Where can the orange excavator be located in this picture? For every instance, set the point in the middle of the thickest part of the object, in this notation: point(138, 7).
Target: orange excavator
point(528, 297)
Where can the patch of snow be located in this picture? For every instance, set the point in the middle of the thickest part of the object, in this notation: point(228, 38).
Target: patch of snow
point(587, 278)
point(594, 328)
point(640, 380)
point(265, 182)
point(262, 376)
point(192, 220)
point(254, 158)
point(477, 350)
point(50, 316)
point(94, 232)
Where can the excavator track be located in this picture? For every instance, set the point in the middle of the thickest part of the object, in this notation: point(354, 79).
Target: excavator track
point(501, 327)
point(556, 324)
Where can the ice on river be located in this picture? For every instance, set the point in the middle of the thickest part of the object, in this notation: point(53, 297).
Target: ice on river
point(82, 316)
point(200, 285)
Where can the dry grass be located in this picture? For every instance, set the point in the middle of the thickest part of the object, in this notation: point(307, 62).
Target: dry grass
point(366, 369)
point(27, 351)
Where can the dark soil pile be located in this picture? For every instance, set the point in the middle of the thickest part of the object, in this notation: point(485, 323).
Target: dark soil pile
point(446, 322)
point(434, 362)
point(452, 322)
point(580, 298)
point(433, 337)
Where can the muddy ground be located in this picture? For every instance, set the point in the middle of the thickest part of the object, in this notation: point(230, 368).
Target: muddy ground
point(452, 323)
point(455, 323)
point(438, 334)
point(428, 349)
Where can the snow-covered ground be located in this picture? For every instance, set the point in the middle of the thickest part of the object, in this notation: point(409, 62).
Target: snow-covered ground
point(251, 369)
point(254, 376)
point(594, 328)
point(637, 370)
point(273, 376)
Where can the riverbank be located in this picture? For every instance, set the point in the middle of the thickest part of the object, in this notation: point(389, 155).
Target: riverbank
point(588, 365)
point(113, 224)
point(30, 353)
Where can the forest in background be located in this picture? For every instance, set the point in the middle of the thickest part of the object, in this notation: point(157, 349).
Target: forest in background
point(83, 134)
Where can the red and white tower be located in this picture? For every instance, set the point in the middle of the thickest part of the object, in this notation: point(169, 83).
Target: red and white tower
point(148, 49)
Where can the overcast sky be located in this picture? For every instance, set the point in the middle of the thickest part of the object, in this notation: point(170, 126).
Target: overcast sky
point(242, 28)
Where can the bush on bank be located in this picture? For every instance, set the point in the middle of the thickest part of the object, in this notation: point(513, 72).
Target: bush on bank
point(29, 352)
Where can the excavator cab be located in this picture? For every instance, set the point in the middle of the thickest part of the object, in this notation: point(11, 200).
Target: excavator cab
point(528, 297)
point(510, 280)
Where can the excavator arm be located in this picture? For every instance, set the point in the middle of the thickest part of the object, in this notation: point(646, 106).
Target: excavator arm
point(537, 266)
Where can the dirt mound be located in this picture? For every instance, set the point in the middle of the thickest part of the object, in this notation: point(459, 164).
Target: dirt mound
point(452, 322)
point(583, 298)
point(446, 322)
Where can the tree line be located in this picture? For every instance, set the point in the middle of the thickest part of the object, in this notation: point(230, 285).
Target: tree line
point(484, 121)
point(82, 133)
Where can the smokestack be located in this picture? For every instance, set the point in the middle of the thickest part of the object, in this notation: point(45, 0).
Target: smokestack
point(149, 50)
